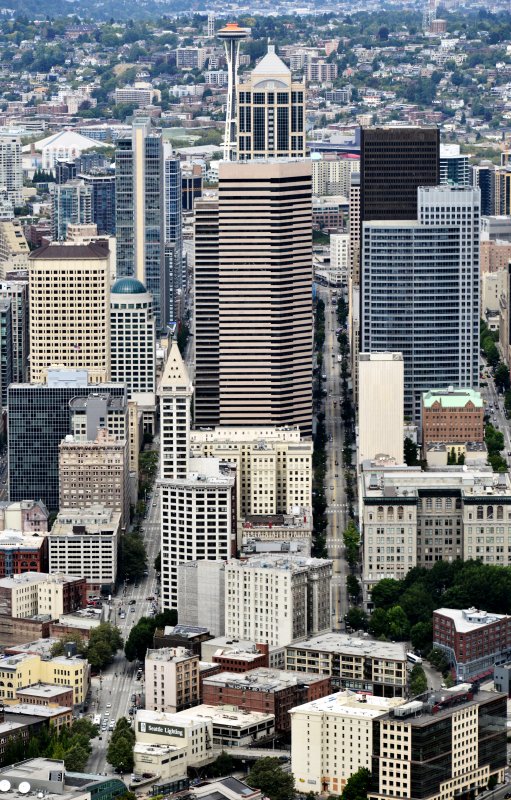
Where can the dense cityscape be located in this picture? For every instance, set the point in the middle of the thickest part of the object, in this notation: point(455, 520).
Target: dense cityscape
point(255, 440)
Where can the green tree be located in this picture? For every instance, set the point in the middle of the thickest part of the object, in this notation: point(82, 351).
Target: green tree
point(141, 635)
point(76, 758)
point(353, 586)
point(418, 680)
point(133, 556)
point(502, 380)
point(421, 636)
point(357, 619)
point(157, 562)
point(57, 648)
point(410, 452)
point(378, 624)
point(120, 754)
point(223, 765)
point(267, 775)
point(357, 785)
point(351, 539)
point(398, 625)
point(104, 641)
point(386, 593)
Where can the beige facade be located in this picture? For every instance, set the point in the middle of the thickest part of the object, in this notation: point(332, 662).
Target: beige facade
point(70, 310)
point(277, 599)
point(169, 762)
point(265, 302)
point(380, 406)
point(19, 671)
point(14, 249)
point(28, 516)
point(175, 730)
point(332, 176)
point(493, 286)
point(32, 593)
point(273, 465)
point(339, 258)
point(95, 472)
point(171, 679)
point(331, 738)
point(495, 255)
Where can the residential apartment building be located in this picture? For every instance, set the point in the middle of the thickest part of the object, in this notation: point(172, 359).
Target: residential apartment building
point(71, 204)
point(449, 744)
point(31, 593)
point(413, 518)
point(380, 407)
point(20, 671)
point(17, 292)
point(141, 94)
point(102, 186)
point(473, 641)
point(139, 212)
point(190, 57)
point(96, 472)
point(426, 325)
point(70, 310)
point(21, 552)
point(361, 665)
point(339, 258)
point(198, 504)
point(273, 465)
point(332, 175)
point(452, 416)
point(277, 599)
point(133, 338)
point(6, 348)
point(332, 738)
point(271, 112)
point(267, 690)
point(320, 72)
point(175, 264)
point(171, 679)
point(454, 166)
point(14, 249)
point(201, 595)
point(11, 168)
point(85, 541)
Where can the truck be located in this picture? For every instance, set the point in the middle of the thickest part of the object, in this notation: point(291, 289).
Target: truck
point(97, 720)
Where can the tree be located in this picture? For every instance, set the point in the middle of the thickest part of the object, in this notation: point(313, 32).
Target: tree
point(410, 452)
point(383, 33)
point(502, 380)
point(353, 586)
point(104, 641)
point(351, 539)
point(378, 622)
point(357, 785)
point(223, 765)
point(141, 635)
point(133, 556)
point(421, 636)
point(76, 758)
point(157, 562)
point(357, 619)
point(58, 647)
point(120, 754)
point(418, 680)
point(397, 622)
point(386, 593)
point(267, 775)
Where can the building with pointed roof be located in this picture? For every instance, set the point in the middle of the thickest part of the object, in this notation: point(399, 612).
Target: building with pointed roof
point(65, 145)
point(271, 112)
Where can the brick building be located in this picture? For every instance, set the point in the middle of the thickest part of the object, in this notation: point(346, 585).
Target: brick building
point(22, 553)
point(452, 416)
point(472, 640)
point(269, 691)
point(240, 660)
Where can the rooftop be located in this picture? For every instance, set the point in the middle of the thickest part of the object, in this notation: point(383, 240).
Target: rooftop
point(71, 252)
point(470, 619)
point(343, 643)
point(279, 562)
point(452, 398)
point(439, 704)
point(185, 631)
point(175, 654)
point(349, 704)
point(263, 679)
point(128, 286)
point(43, 690)
point(223, 715)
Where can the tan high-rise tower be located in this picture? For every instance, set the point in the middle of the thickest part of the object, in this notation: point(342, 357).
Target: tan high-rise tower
point(265, 293)
point(70, 310)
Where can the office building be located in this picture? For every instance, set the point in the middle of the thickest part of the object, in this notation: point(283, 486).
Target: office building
point(502, 190)
point(29, 594)
point(473, 641)
point(271, 112)
point(65, 171)
point(452, 416)
point(191, 184)
point(14, 249)
point(232, 36)
point(332, 175)
point(49, 775)
point(171, 679)
point(332, 738)
point(354, 226)
point(394, 162)
point(6, 348)
point(189, 487)
point(85, 541)
point(133, 338)
point(11, 168)
point(139, 213)
point(454, 166)
point(271, 690)
point(339, 259)
point(70, 310)
point(448, 744)
point(39, 418)
point(102, 186)
point(420, 291)
point(296, 595)
point(21, 552)
point(273, 465)
point(16, 291)
point(361, 665)
point(380, 407)
point(193, 736)
point(201, 595)
point(483, 176)
point(95, 473)
point(264, 339)
point(71, 203)
point(233, 728)
point(442, 515)
point(175, 265)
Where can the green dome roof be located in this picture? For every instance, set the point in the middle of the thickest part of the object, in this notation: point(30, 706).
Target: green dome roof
point(128, 286)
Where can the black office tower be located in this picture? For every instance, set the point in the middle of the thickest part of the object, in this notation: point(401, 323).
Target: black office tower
point(394, 162)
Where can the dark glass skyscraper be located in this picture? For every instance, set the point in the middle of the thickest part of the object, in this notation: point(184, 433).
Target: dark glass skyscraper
point(103, 200)
point(175, 266)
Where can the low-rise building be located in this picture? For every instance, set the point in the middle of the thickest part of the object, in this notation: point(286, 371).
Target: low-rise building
point(235, 655)
point(196, 734)
point(27, 516)
point(168, 762)
point(332, 738)
point(46, 694)
point(353, 662)
point(56, 717)
point(39, 593)
point(265, 690)
point(472, 640)
point(449, 744)
point(452, 416)
point(231, 728)
point(24, 670)
point(188, 636)
point(20, 552)
point(171, 679)
point(48, 776)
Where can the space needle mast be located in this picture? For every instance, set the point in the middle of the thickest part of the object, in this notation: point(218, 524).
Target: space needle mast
point(232, 36)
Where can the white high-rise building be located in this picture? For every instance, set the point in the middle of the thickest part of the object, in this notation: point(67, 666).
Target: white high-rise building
point(380, 406)
point(133, 337)
point(197, 494)
point(339, 258)
point(211, 25)
point(11, 169)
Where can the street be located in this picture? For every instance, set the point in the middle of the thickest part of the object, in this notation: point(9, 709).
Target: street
point(494, 406)
point(118, 682)
point(334, 480)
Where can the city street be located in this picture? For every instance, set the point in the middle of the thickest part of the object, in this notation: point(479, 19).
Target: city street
point(118, 683)
point(497, 415)
point(334, 480)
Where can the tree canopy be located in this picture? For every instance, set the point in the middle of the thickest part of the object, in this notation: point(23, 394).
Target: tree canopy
point(141, 635)
point(267, 775)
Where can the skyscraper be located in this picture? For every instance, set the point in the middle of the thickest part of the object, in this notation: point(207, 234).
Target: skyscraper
point(6, 354)
point(232, 36)
point(394, 162)
point(483, 176)
point(70, 309)
point(253, 297)
point(103, 200)
point(71, 203)
point(175, 266)
point(11, 169)
point(197, 495)
point(132, 337)
point(139, 191)
point(271, 112)
point(420, 285)
point(454, 166)
point(17, 292)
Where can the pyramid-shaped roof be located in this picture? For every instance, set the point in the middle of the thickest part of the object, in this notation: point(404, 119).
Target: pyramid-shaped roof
point(175, 374)
point(271, 64)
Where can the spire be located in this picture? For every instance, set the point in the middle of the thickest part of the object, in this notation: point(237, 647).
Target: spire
point(175, 374)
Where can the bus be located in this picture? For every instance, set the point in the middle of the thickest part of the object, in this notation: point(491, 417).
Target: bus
point(97, 720)
point(413, 659)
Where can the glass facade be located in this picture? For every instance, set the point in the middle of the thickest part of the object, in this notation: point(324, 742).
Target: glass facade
point(103, 202)
point(175, 265)
point(6, 354)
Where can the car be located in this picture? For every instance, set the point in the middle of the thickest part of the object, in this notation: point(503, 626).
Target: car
point(132, 609)
point(107, 713)
point(111, 725)
point(132, 602)
point(331, 488)
point(336, 463)
point(336, 475)
point(109, 705)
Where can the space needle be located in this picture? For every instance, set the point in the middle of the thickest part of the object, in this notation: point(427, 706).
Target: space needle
point(232, 35)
